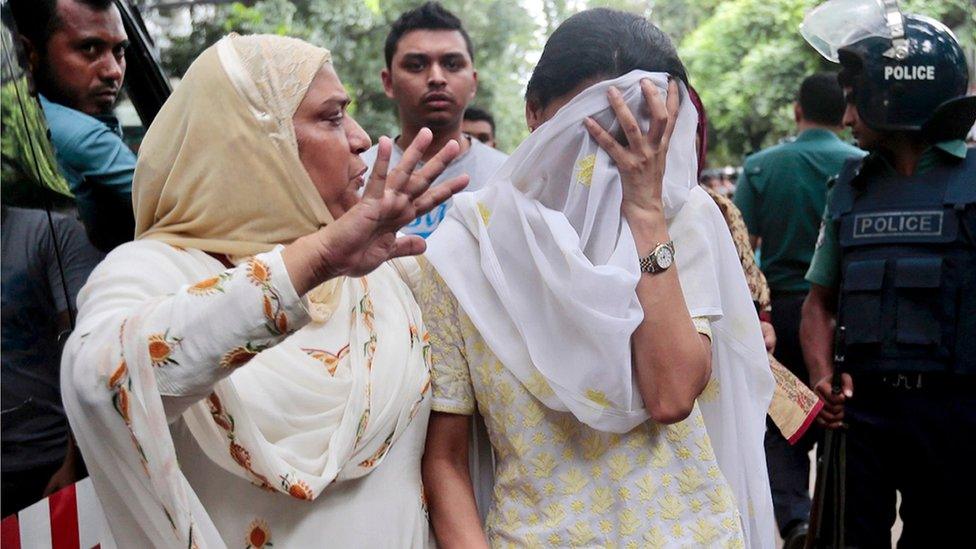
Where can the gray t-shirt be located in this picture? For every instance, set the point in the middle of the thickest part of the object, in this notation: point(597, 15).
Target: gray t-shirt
point(34, 427)
point(480, 162)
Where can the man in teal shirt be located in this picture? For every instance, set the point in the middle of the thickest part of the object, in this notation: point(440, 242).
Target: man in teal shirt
point(781, 194)
point(76, 52)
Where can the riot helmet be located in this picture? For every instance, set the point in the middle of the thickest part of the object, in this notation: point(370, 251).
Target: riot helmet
point(907, 72)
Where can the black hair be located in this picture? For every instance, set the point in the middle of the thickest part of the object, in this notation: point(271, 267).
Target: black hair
point(822, 99)
point(474, 113)
point(429, 16)
point(602, 43)
point(37, 20)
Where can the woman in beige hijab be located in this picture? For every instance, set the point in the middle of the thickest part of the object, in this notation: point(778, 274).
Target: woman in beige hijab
point(283, 400)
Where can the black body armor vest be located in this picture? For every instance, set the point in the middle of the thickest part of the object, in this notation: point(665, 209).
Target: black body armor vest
point(908, 290)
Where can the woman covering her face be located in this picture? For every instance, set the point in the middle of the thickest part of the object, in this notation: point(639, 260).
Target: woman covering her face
point(624, 407)
point(283, 400)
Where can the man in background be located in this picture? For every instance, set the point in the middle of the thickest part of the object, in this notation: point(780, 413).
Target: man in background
point(430, 75)
point(76, 53)
point(45, 262)
point(479, 124)
point(782, 193)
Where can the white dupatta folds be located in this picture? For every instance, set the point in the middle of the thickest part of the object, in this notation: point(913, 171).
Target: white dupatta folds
point(545, 266)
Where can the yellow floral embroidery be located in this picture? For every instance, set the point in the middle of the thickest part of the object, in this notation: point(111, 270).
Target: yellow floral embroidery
point(711, 391)
point(484, 212)
point(598, 397)
point(584, 170)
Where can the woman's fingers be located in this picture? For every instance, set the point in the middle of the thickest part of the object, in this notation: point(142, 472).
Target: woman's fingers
point(658, 110)
point(422, 178)
point(408, 245)
point(404, 169)
point(626, 119)
point(376, 185)
point(439, 194)
point(673, 105)
point(604, 139)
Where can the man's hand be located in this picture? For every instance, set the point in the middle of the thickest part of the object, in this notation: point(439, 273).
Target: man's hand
point(64, 476)
point(769, 336)
point(831, 416)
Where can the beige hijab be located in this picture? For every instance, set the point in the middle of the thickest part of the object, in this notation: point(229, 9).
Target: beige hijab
point(224, 175)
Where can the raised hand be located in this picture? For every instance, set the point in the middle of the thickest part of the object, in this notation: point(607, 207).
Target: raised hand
point(365, 236)
point(641, 162)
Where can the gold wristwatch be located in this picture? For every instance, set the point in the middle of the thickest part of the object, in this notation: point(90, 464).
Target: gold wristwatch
point(660, 259)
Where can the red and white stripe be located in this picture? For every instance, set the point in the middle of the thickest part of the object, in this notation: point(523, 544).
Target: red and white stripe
point(71, 518)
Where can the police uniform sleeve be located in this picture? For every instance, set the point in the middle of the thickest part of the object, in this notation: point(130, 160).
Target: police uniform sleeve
point(825, 267)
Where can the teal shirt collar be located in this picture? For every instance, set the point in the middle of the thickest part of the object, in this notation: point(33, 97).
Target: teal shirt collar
point(816, 134)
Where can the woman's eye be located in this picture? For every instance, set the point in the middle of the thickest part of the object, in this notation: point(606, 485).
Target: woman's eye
point(335, 119)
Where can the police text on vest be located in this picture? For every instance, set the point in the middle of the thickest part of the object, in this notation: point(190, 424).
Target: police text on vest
point(885, 224)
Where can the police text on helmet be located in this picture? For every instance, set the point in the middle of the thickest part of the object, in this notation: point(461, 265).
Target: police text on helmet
point(913, 72)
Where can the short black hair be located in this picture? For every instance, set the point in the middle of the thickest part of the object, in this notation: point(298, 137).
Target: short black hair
point(822, 99)
point(37, 20)
point(474, 113)
point(429, 16)
point(600, 42)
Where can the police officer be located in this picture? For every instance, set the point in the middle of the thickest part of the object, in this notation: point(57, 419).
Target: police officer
point(895, 265)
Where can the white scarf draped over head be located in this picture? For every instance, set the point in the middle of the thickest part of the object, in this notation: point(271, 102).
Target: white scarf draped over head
point(546, 267)
point(219, 172)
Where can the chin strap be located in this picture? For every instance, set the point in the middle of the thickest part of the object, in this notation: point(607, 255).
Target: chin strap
point(896, 25)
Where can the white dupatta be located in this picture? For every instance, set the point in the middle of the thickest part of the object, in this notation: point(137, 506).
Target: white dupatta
point(546, 268)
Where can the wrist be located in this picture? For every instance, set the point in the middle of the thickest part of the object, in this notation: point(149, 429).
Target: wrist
point(648, 227)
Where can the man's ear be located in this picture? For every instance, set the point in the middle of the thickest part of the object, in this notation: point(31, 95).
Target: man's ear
point(33, 54)
point(797, 112)
point(387, 79)
point(474, 90)
point(533, 114)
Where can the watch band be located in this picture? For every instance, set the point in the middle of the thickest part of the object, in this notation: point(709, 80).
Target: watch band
point(649, 263)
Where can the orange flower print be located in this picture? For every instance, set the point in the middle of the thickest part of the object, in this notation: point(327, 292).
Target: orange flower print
point(209, 286)
point(161, 348)
point(268, 308)
point(214, 402)
point(331, 361)
point(282, 323)
point(239, 356)
point(297, 489)
point(121, 402)
point(119, 376)
point(240, 455)
point(258, 272)
point(258, 535)
point(371, 461)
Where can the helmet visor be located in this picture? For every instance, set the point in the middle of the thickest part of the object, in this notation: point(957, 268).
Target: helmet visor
point(838, 23)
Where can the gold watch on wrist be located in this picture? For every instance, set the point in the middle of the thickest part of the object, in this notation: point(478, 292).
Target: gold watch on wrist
point(659, 260)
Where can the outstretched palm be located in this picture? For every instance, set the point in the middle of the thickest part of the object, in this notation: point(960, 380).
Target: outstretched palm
point(365, 236)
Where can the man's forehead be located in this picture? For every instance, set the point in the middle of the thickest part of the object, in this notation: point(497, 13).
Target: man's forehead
point(81, 20)
point(433, 43)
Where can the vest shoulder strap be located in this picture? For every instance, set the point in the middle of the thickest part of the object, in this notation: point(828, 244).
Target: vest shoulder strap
point(842, 197)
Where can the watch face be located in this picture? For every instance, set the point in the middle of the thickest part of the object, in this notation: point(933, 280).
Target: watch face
point(664, 258)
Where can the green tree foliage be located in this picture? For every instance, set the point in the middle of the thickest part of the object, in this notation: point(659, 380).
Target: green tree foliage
point(745, 57)
point(355, 31)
